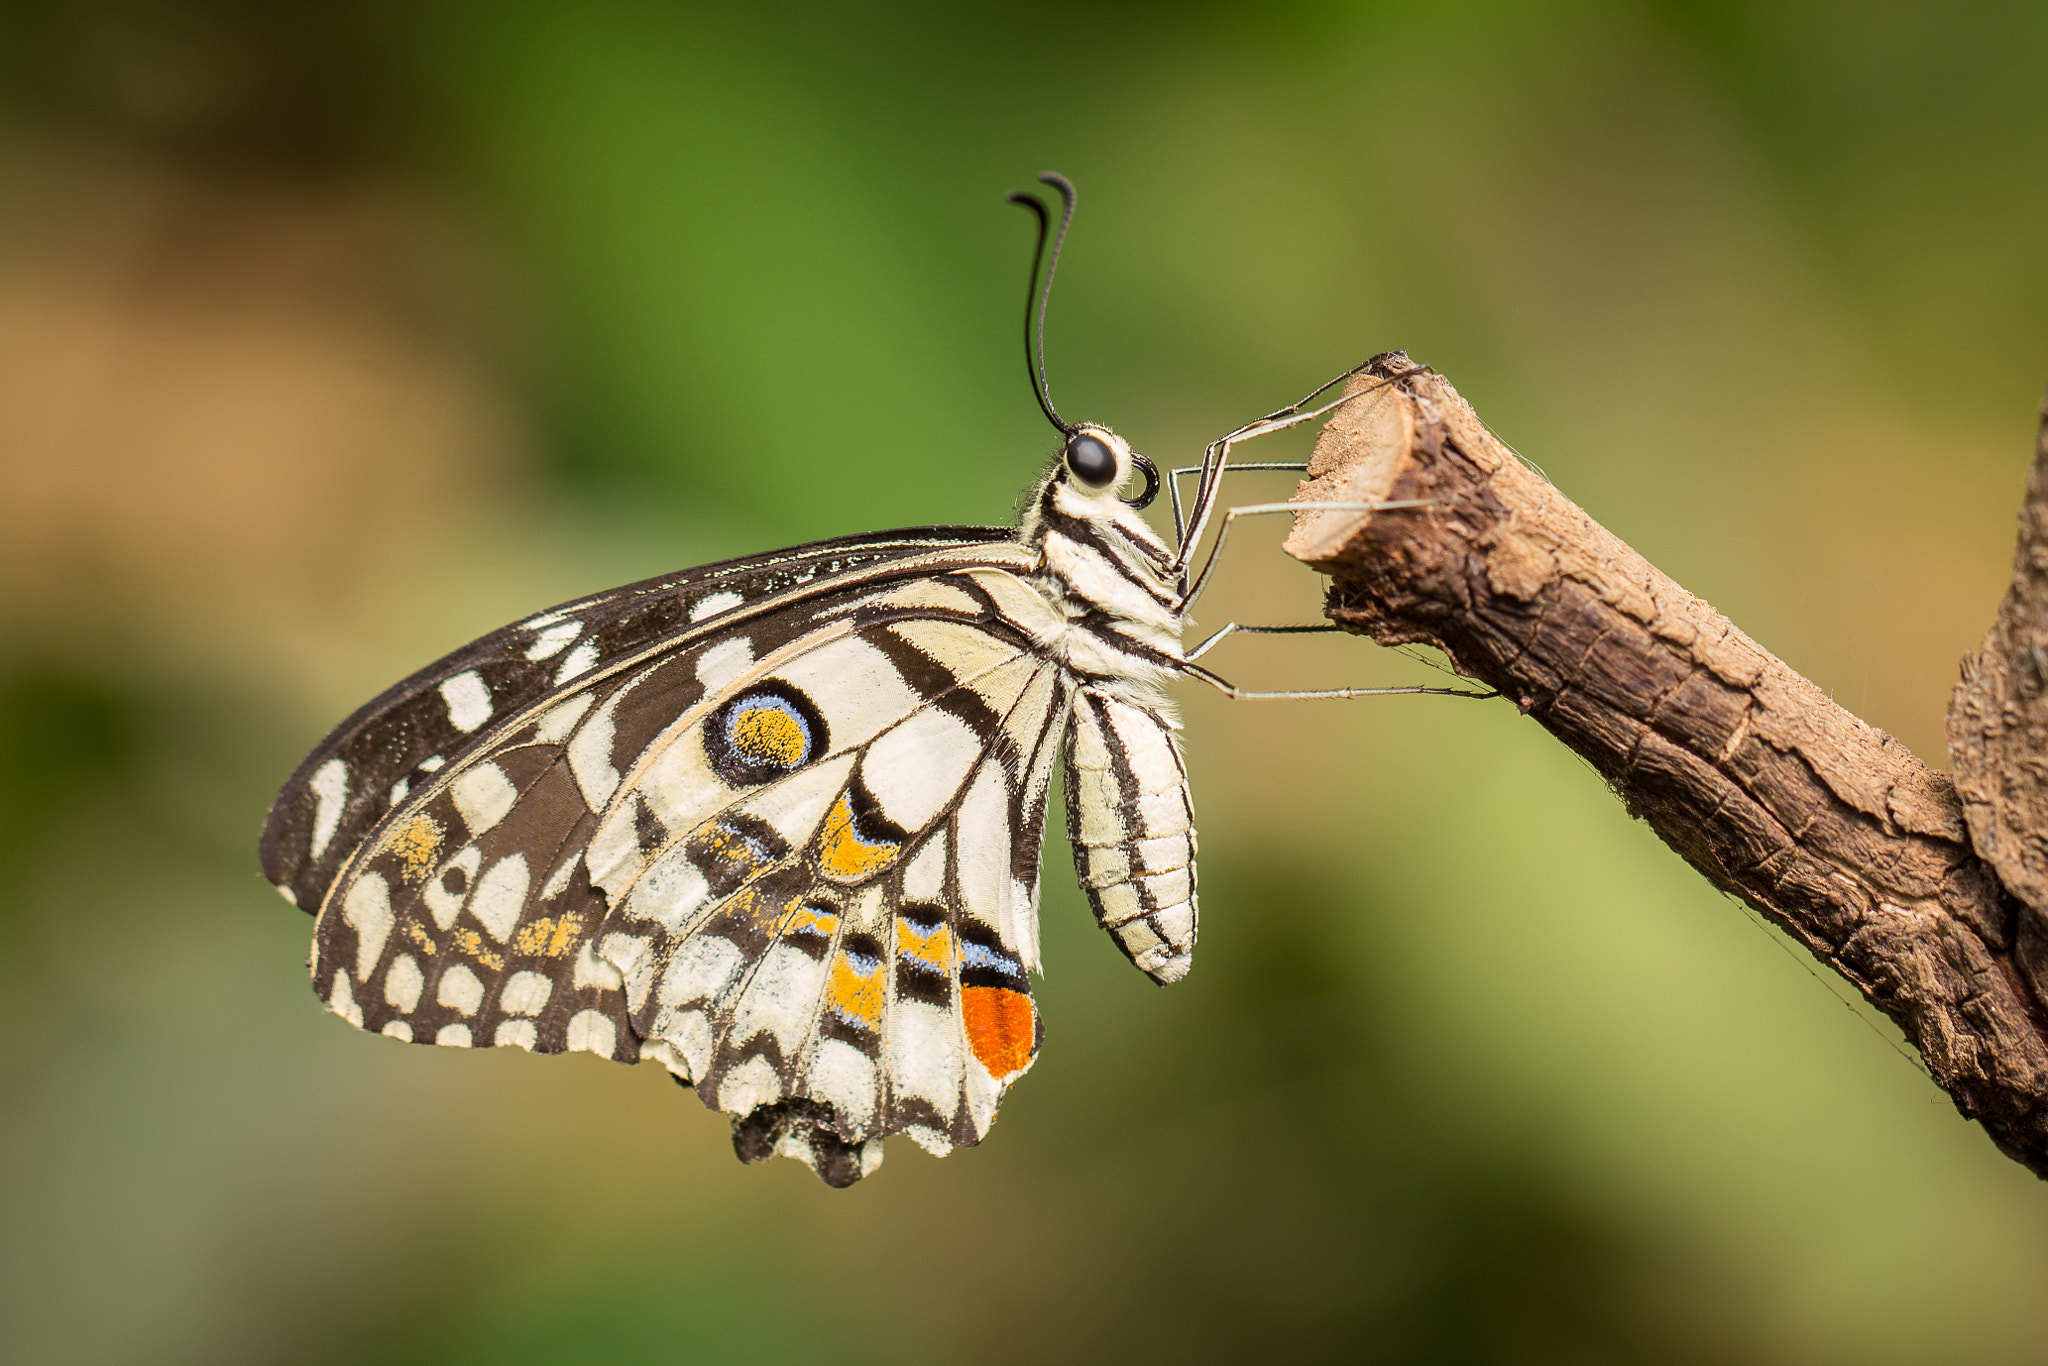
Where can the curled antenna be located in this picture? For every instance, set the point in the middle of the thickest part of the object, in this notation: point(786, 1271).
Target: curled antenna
point(1034, 300)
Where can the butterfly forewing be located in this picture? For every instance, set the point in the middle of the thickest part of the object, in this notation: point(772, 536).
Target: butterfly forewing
point(401, 738)
point(795, 858)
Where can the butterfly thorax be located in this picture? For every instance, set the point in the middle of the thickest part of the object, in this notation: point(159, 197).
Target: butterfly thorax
point(1111, 584)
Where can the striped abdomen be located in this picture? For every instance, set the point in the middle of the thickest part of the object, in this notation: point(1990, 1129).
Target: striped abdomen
point(1133, 829)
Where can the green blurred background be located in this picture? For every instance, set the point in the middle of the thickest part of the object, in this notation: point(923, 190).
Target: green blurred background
point(332, 336)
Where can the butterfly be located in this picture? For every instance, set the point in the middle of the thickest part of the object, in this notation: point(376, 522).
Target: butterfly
point(775, 823)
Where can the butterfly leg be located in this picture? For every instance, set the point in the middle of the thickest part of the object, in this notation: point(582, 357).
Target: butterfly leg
point(1174, 477)
point(1229, 627)
point(1237, 694)
point(1216, 458)
point(1256, 509)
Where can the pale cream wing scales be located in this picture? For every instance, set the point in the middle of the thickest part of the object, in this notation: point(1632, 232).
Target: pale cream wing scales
point(1131, 822)
point(757, 853)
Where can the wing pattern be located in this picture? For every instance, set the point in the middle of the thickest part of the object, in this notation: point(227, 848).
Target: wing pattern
point(794, 858)
point(399, 740)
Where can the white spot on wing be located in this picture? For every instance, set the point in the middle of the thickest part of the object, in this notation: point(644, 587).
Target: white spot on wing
point(330, 793)
point(686, 1042)
point(432, 763)
point(671, 892)
point(577, 661)
point(402, 983)
point(983, 864)
point(342, 1001)
point(554, 640)
point(590, 971)
point(562, 718)
point(460, 990)
point(367, 910)
point(591, 1031)
point(453, 1036)
point(590, 759)
point(749, 1086)
point(498, 898)
point(700, 970)
point(724, 661)
point(483, 795)
point(924, 1054)
point(516, 1033)
point(712, 604)
point(525, 993)
point(469, 701)
point(400, 1030)
point(844, 1077)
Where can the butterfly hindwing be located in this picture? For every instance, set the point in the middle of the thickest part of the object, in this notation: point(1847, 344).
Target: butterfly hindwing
point(795, 860)
point(400, 739)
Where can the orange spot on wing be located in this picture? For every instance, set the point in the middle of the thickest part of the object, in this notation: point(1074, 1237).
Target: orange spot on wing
point(1001, 1028)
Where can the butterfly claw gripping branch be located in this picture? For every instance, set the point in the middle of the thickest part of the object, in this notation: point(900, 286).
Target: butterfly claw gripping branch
point(1928, 896)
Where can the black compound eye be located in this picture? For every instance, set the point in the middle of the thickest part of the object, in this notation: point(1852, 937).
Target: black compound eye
point(1090, 460)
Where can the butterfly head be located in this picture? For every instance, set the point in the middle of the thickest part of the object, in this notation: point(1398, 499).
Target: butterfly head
point(1096, 461)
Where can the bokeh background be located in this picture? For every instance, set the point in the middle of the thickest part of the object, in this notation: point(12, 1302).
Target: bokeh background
point(334, 335)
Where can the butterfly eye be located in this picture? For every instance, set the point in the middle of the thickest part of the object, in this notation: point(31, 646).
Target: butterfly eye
point(1090, 460)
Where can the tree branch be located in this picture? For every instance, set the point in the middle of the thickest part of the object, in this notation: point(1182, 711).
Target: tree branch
point(1823, 823)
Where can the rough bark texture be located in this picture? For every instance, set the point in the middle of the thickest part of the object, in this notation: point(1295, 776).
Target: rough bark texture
point(1825, 824)
point(1998, 730)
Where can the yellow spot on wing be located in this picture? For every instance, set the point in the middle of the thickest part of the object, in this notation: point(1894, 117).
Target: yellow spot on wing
point(843, 855)
point(810, 916)
point(548, 936)
point(769, 735)
point(472, 943)
point(419, 936)
point(934, 950)
point(568, 932)
point(856, 994)
point(418, 845)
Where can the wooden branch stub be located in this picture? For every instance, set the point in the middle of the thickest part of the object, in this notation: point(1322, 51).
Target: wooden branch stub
point(1824, 824)
point(1998, 730)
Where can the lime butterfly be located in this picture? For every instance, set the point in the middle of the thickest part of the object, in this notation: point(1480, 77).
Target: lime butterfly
point(775, 823)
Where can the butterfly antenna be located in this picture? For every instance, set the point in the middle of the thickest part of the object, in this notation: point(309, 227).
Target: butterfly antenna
point(1034, 300)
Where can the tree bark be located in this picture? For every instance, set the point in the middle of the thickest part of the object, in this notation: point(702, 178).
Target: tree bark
point(1826, 825)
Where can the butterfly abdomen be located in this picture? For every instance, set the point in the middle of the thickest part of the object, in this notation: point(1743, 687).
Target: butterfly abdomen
point(1133, 830)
